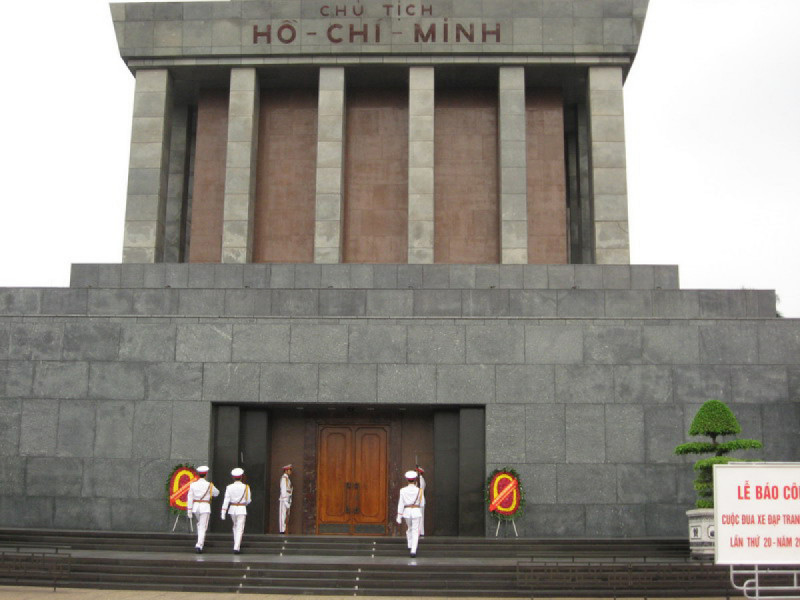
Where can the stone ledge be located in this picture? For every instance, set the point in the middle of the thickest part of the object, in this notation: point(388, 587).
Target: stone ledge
point(374, 276)
point(620, 304)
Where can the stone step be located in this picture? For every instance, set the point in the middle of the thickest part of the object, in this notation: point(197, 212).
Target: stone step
point(358, 566)
point(561, 580)
point(524, 548)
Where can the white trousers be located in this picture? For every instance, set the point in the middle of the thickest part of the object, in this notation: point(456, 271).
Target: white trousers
point(422, 521)
point(202, 527)
point(412, 533)
point(238, 530)
point(283, 512)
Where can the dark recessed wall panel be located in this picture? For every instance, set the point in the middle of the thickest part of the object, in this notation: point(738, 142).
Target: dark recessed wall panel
point(254, 449)
point(446, 479)
point(471, 471)
point(208, 190)
point(225, 455)
point(287, 447)
point(547, 179)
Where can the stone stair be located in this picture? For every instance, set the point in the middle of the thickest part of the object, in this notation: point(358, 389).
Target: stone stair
point(359, 566)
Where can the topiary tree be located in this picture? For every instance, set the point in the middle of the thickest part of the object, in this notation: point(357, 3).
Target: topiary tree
point(713, 419)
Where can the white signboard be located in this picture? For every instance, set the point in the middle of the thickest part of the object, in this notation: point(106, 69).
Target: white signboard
point(757, 513)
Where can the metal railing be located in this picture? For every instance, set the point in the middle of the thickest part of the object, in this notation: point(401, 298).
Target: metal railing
point(775, 582)
point(18, 566)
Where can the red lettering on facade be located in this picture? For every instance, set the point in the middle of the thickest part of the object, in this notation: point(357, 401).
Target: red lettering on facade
point(468, 35)
point(486, 32)
point(286, 33)
point(265, 34)
point(325, 10)
point(421, 36)
point(363, 33)
point(332, 39)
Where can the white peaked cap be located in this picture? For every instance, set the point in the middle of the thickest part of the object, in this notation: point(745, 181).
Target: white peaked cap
point(411, 474)
point(203, 469)
point(289, 466)
point(237, 472)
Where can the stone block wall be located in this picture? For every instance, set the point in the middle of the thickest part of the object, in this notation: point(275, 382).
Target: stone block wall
point(106, 385)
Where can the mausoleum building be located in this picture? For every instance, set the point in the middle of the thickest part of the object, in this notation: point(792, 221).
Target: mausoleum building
point(366, 235)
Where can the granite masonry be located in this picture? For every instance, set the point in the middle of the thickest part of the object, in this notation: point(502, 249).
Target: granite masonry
point(364, 235)
point(588, 376)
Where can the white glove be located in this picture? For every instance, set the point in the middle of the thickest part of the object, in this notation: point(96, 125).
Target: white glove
point(189, 514)
point(399, 519)
point(223, 516)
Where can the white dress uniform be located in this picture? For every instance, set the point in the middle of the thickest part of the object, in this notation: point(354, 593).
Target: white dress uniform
point(237, 497)
point(409, 508)
point(422, 505)
point(284, 500)
point(198, 504)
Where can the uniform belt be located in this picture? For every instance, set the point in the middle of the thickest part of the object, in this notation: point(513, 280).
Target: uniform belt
point(238, 504)
point(206, 501)
point(413, 506)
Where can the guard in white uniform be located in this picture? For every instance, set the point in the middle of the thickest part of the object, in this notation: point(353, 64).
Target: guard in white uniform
point(421, 484)
point(409, 508)
point(285, 499)
point(237, 497)
point(198, 503)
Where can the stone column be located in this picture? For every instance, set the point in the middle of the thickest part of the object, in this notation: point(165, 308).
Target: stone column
point(609, 179)
point(330, 166)
point(420, 165)
point(513, 167)
point(240, 167)
point(148, 168)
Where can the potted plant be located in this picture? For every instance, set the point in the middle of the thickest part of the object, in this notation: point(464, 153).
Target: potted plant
point(713, 419)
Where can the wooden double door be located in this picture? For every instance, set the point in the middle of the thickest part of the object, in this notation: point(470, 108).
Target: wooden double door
point(352, 480)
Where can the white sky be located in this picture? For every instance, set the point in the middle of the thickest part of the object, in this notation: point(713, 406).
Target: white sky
point(712, 126)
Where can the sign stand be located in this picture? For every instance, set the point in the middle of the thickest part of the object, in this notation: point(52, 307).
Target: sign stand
point(513, 524)
point(175, 524)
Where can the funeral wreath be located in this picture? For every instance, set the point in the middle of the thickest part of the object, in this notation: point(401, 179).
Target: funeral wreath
point(504, 496)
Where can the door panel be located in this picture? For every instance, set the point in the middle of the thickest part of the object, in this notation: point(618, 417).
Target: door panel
point(352, 480)
point(370, 475)
point(335, 470)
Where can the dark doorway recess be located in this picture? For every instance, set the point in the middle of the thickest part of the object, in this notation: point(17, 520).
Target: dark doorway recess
point(349, 462)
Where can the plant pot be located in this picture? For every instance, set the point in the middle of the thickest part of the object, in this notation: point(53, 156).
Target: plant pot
point(701, 532)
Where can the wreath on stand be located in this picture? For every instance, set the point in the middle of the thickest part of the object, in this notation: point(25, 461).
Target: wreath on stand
point(177, 487)
point(504, 496)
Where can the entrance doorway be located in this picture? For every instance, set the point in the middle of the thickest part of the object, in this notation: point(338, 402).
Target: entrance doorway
point(352, 479)
point(367, 447)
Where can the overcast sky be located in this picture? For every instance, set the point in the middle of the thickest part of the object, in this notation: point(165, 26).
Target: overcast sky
point(712, 126)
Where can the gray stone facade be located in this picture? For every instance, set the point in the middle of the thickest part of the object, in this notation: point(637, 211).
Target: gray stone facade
point(282, 28)
point(582, 377)
point(106, 385)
